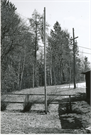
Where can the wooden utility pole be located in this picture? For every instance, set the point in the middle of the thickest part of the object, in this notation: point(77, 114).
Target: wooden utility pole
point(35, 63)
point(74, 57)
point(45, 59)
point(36, 39)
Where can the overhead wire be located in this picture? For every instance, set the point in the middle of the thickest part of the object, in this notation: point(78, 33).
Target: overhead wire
point(71, 44)
point(69, 52)
point(84, 52)
point(84, 47)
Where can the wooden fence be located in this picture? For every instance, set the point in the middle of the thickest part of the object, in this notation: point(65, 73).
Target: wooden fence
point(38, 102)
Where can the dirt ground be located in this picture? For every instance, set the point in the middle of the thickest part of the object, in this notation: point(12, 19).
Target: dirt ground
point(56, 121)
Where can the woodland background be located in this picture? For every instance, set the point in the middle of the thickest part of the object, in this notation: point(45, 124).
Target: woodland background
point(22, 52)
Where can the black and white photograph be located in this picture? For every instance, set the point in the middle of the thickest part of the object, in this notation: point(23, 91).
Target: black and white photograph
point(45, 67)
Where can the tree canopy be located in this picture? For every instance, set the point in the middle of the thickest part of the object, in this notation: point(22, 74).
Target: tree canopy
point(22, 60)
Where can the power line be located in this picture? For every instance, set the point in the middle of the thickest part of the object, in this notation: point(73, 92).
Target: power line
point(85, 52)
point(27, 18)
point(70, 51)
point(84, 47)
point(41, 46)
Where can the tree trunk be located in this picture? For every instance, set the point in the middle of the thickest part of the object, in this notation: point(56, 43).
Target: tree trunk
point(63, 76)
point(50, 75)
point(22, 72)
point(33, 77)
point(60, 73)
point(18, 81)
point(54, 75)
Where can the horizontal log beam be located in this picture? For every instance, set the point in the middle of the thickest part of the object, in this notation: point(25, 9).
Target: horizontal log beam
point(40, 94)
point(37, 102)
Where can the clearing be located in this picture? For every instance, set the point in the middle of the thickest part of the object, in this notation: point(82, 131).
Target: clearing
point(57, 120)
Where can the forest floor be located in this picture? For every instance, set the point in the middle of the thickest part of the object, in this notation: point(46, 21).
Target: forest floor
point(57, 120)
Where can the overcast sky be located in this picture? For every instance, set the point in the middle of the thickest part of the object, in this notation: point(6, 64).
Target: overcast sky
point(70, 14)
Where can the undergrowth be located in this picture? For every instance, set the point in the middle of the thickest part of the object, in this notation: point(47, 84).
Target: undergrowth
point(3, 105)
point(27, 104)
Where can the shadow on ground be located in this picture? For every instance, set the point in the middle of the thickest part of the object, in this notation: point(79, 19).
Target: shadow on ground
point(71, 118)
point(31, 111)
point(70, 122)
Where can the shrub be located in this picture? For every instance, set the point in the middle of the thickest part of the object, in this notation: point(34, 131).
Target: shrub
point(27, 104)
point(3, 105)
point(49, 101)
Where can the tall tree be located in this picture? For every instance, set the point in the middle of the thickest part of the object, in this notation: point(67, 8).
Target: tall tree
point(59, 53)
point(16, 41)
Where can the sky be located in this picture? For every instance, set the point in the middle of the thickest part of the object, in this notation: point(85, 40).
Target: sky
point(69, 13)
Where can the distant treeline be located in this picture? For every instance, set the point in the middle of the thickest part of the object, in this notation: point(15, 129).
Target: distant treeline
point(22, 58)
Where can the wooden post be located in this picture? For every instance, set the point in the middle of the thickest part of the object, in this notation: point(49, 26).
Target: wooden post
point(45, 59)
point(70, 102)
point(26, 100)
